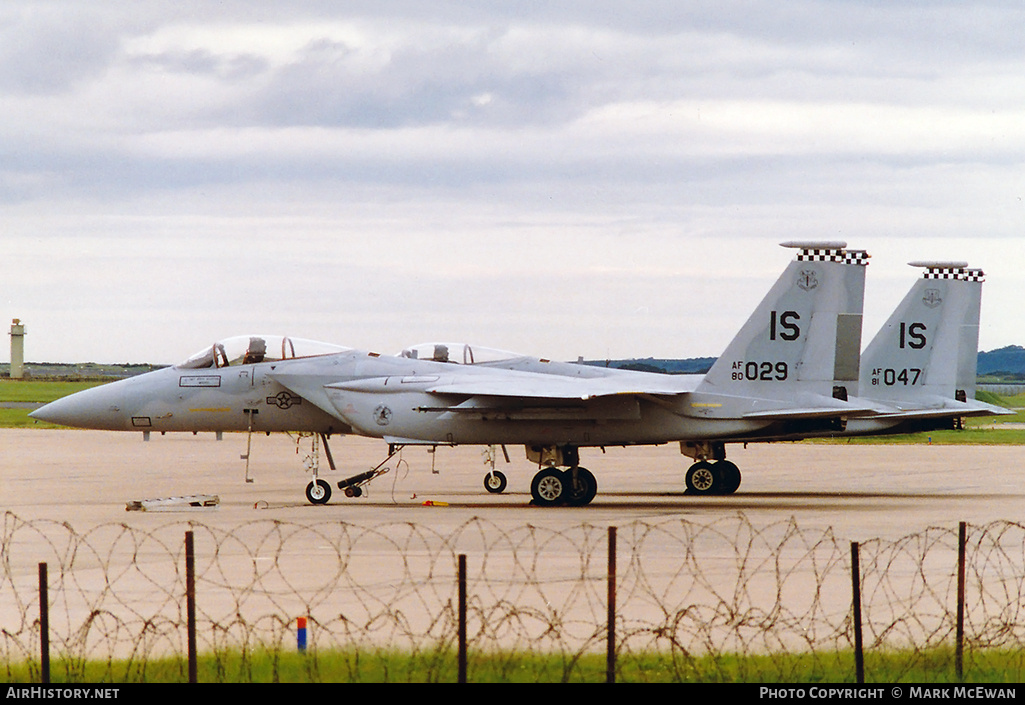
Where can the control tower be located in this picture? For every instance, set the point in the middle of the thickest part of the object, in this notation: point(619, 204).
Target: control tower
point(17, 349)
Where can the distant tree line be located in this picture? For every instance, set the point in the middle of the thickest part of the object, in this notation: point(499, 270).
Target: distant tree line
point(688, 366)
point(1006, 362)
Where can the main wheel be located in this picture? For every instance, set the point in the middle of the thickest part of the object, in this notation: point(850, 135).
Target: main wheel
point(548, 487)
point(703, 478)
point(318, 492)
point(495, 482)
point(581, 486)
point(730, 475)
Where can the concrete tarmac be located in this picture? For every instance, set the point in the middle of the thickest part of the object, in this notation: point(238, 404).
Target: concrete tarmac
point(87, 478)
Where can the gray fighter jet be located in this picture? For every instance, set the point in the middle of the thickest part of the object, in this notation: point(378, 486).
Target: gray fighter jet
point(792, 371)
point(923, 362)
point(918, 373)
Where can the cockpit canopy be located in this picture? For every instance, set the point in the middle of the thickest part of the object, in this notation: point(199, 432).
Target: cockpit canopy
point(458, 353)
point(252, 349)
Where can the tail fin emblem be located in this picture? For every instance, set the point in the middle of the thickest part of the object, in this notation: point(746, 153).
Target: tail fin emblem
point(807, 279)
point(932, 298)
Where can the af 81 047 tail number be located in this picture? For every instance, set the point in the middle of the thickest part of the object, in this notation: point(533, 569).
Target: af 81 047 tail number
point(889, 377)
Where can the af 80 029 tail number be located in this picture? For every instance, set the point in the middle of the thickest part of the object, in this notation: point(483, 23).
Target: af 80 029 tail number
point(761, 371)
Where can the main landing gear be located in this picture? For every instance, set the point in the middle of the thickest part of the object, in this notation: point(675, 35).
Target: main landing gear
point(573, 485)
point(712, 474)
point(717, 477)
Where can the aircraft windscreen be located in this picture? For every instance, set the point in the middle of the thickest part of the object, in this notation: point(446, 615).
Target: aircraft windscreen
point(458, 353)
point(252, 349)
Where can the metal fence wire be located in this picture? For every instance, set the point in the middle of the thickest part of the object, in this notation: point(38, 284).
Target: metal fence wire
point(723, 599)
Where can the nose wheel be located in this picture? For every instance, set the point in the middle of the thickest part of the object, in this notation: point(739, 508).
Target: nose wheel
point(495, 482)
point(318, 492)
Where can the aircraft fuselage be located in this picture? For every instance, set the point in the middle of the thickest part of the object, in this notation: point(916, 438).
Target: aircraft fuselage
point(224, 399)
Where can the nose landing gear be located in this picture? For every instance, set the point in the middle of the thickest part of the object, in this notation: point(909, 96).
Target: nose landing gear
point(494, 481)
point(318, 491)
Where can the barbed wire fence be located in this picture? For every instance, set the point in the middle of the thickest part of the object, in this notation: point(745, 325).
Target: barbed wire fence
point(723, 600)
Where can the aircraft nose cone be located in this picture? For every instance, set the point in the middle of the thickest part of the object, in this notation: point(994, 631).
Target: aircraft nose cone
point(98, 408)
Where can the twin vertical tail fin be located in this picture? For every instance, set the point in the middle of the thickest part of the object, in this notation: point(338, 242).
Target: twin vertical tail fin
point(926, 354)
point(804, 338)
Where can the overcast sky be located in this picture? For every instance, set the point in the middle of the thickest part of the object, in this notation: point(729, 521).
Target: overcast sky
point(563, 178)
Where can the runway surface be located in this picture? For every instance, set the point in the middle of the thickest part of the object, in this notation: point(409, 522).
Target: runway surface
point(264, 550)
point(87, 478)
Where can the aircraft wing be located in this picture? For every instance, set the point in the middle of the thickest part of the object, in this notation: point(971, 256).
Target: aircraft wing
point(817, 412)
point(514, 385)
point(533, 397)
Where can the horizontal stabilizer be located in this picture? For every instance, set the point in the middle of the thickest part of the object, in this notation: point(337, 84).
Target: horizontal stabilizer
point(950, 409)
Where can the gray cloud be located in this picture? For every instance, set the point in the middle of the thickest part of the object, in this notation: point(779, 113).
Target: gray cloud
point(46, 50)
point(525, 171)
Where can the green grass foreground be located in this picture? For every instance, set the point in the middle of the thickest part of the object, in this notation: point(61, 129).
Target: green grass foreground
point(439, 666)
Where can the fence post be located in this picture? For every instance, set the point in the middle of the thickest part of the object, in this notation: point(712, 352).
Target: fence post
point(610, 657)
point(859, 656)
point(44, 626)
point(190, 602)
point(462, 617)
point(962, 534)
